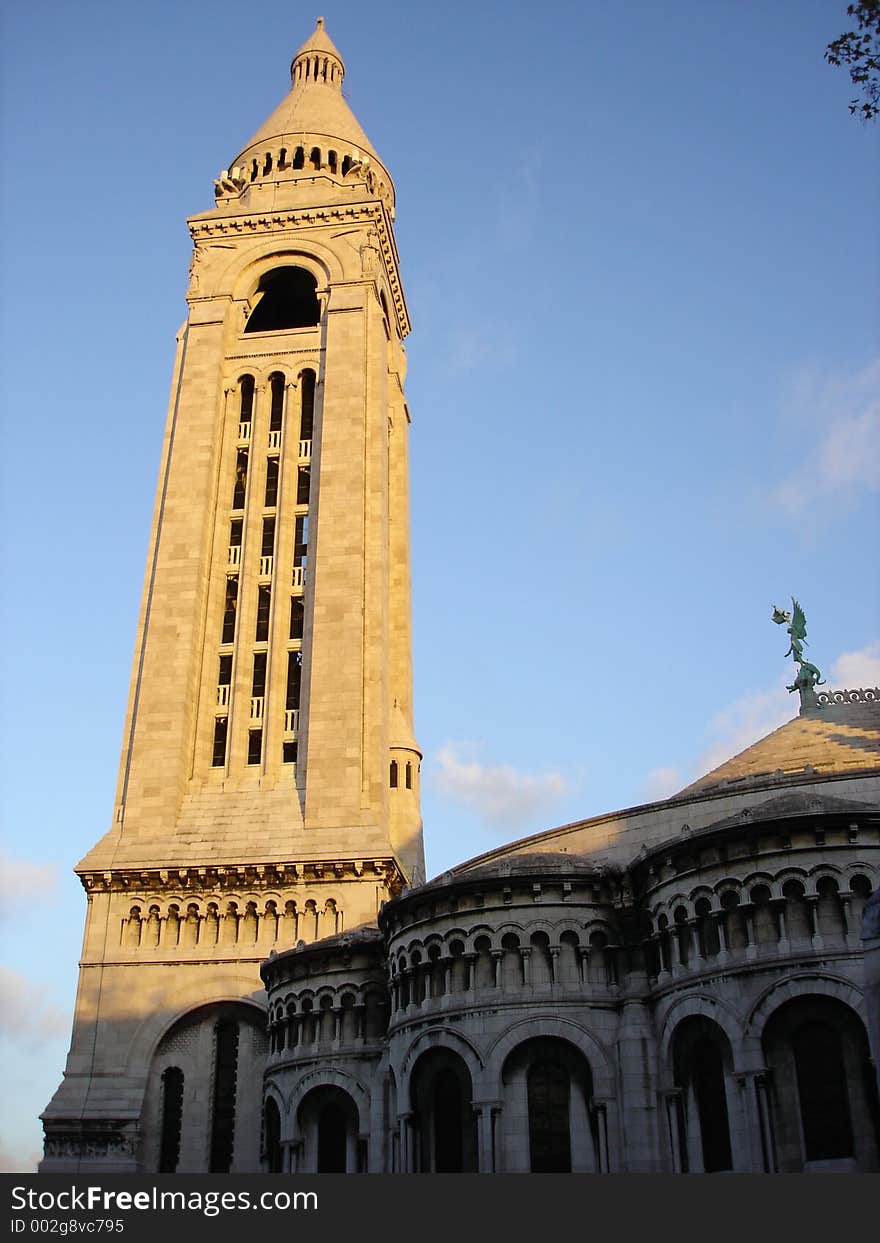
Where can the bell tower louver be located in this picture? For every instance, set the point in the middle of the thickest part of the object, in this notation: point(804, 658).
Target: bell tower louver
point(269, 782)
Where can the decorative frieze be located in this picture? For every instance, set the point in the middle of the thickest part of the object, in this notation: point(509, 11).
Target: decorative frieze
point(259, 877)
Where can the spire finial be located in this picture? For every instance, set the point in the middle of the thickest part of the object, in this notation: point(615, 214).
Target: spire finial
point(317, 63)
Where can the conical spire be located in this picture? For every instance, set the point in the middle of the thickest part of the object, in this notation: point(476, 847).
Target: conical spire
point(315, 104)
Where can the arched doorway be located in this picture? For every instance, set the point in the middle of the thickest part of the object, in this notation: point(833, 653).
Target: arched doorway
point(701, 1066)
point(329, 1125)
point(202, 1105)
point(547, 1126)
point(272, 1152)
point(823, 1092)
point(445, 1126)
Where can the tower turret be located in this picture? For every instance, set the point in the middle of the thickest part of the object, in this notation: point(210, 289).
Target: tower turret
point(268, 787)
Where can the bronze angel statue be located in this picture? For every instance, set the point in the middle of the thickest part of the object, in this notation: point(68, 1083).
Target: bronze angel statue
point(808, 675)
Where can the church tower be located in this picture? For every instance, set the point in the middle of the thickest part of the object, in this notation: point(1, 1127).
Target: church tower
point(269, 782)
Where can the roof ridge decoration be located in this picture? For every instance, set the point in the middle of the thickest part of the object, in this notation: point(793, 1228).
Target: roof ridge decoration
point(864, 695)
point(808, 676)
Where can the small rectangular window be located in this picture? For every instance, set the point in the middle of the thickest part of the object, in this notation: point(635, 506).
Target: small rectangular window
point(276, 412)
point(241, 473)
point(255, 745)
point(235, 533)
point(303, 480)
point(247, 398)
point(264, 602)
point(219, 757)
point(301, 539)
point(224, 676)
point(272, 481)
point(229, 611)
point(268, 546)
point(259, 682)
point(288, 752)
point(308, 405)
point(297, 617)
point(294, 679)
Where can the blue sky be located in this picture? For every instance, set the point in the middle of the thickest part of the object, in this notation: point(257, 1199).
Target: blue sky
point(638, 250)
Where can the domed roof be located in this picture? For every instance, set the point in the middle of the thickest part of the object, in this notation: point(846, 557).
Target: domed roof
point(841, 737)
point(315, 104)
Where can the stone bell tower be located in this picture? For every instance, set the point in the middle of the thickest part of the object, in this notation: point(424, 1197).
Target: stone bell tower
point(269, 782)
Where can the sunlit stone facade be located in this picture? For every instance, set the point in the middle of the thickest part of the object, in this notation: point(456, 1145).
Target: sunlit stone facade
point(271, 694)
point(678, 987)
point(267, 982)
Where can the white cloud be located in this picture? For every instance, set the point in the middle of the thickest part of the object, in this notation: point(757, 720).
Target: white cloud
point(25, 1013)
point(661, 783)
point(500, 794)
point(756, 714)
point(748, 718)
point(839, 418)
point(854, 670)
point(21, 880)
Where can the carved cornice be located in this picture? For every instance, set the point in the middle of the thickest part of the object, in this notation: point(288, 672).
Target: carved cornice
point(283, 222)
point(251, 876)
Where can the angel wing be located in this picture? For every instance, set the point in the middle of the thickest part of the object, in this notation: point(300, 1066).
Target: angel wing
point(798, 628)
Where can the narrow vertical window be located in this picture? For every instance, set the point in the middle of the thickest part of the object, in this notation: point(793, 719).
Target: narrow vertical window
point(259, 681)
point(276, 412)
point(301, 539)
point(294, 679)
point(224, 680)
point(272, 481)
point(241, 473)
point(230, 610)
point(233, 557)
point(255, 746)
point(172, 1116)
point(409, 776)
point(223, 1112)
point(219, 756)
point(392, 776)
point(268, 545)
point(307, 417)
point(264, 602)
point(246, 412)
point(288, 752)
point(303, 479)
point(297, 617)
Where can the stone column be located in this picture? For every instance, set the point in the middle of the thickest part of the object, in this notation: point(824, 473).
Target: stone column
point(765, 1115)
point(672, 1100)
point(599, 1113)
point(584, 960)
point(781, 931)
point(485, 1155)
point(721, 924)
